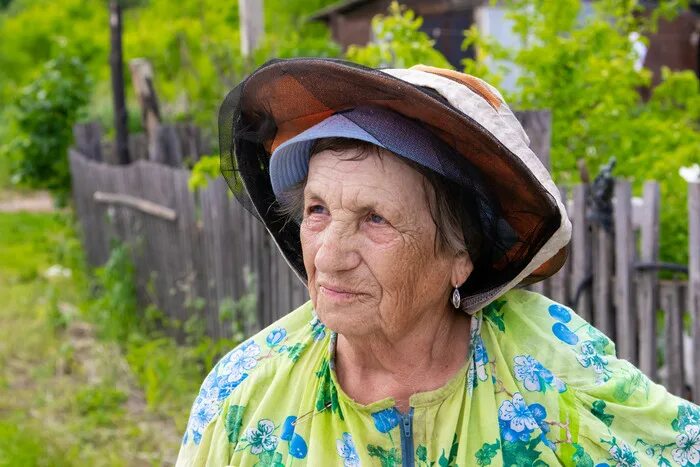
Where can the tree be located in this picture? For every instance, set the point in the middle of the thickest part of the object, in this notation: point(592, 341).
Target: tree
point(397, 42)
point(116, 64)
point(584, 70)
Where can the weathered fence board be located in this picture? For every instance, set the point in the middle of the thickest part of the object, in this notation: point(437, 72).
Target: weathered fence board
point(581, 253)
point(647, 287)
point(673, 337)
point(694, 276)
point(624, 259)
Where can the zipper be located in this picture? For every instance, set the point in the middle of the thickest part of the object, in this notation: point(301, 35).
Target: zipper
point(407, 459)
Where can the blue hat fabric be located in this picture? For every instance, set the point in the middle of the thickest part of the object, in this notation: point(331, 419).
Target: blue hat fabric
point(289, 163)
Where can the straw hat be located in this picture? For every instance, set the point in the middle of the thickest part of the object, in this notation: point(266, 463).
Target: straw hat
point(526, 224)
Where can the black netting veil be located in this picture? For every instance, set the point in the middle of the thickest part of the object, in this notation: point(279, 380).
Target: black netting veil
point(515, 216)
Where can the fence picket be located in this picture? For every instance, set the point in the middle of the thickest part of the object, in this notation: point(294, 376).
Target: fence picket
point(624, 257)
point(647, 287)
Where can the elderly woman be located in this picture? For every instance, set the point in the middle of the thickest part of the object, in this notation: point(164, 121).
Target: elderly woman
point(409, 203)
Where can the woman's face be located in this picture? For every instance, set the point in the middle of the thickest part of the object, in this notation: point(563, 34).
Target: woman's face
point(368, 242)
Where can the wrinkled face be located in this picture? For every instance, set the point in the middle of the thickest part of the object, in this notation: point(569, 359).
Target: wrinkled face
point(368, 243)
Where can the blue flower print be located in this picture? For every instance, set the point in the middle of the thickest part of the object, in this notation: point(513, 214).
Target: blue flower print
point(386, 420)
point(204, 409)
point(516, 420)
point(346, 450)
point(237, 362)
point(218, 385)
point(477, 370)
point(297, 447)
point(481, 357)
point(539, 413)
point(534, 375)
point(276, 336)
point(318, 329)
point(590, 357)
point(564, 334)
point(687, 415)
point(288, 428)
point(623, 454)
point(227, 386)
point(687, 451)
point(559, 313)
point(261, 438)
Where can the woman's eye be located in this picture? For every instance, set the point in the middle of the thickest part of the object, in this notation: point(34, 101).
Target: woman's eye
point(316, 209)
point(376, 219)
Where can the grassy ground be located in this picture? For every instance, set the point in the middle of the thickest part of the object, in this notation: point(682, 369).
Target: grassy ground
point(67, 395)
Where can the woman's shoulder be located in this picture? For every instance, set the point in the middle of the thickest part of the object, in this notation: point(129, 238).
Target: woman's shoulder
point(530, 328)
point(252, 365)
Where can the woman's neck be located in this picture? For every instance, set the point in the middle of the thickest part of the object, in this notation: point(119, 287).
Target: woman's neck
point(423, 358)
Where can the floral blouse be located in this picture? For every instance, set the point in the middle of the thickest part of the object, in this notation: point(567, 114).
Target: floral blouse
point(540, 386)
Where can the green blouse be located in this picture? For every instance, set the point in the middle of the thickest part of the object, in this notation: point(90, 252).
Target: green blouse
point(540, 387)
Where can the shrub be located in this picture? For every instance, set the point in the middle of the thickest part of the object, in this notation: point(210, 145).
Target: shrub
point(45, 113)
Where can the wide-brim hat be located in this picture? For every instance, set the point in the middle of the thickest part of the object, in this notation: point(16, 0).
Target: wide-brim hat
point(283, 98)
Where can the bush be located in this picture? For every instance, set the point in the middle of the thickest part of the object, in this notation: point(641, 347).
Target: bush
point(45, 113)
point(398, 42)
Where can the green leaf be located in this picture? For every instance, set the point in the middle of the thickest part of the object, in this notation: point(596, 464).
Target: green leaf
point(233, 422)
point(296, 350)
point(487, 452)
point(493, 313)
point(387, 458)
point(327, 395)
point(598, 409)
point(581, 457)
point(520, 454)
point(422, 453)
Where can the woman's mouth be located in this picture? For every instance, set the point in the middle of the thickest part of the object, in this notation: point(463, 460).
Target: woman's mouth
point(336, 293)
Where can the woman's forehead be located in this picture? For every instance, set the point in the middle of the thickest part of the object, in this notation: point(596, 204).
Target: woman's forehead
point(383, 178)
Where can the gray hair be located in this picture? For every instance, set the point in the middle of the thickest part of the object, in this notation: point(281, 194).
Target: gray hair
point(456, 229)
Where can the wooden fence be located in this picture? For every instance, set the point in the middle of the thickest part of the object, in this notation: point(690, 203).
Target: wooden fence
point(196, 252)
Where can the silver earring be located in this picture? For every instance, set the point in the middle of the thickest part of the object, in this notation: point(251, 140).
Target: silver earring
point(456, 298)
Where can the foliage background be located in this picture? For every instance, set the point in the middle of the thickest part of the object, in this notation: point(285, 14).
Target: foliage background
point(584, 70)
point(54, 71)
point(581, 67)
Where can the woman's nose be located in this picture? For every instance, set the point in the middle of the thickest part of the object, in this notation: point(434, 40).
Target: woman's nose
point(336, 251)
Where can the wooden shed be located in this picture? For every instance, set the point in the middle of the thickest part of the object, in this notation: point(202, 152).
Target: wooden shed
point(443, 20)
point(675, 44)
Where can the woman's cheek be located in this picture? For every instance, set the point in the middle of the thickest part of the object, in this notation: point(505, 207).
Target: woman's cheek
point(383, 236)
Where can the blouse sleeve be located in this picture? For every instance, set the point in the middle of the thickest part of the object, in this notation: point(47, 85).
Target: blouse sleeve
point(210, 425)
point(607, 407)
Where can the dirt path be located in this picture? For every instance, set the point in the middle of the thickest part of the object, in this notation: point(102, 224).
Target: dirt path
point(39, 201)
point(67, 396)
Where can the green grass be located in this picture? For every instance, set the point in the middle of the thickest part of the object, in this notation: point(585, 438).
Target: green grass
point(66, 396)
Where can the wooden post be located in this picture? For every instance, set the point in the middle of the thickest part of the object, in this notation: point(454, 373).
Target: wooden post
point(538, 126)
point(694, 276)
point(581, 260)
point(624, 258)
point(602, 283)
point(647, 292)
point(116, 65)
point(142, 78)
point(251, 21)
point(87, 139)
point(559, 282)
point(673, 353)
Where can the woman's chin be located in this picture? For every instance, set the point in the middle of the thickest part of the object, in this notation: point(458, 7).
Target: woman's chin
point(343, 318)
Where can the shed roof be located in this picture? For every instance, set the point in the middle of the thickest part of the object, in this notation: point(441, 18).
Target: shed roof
point(342, 6)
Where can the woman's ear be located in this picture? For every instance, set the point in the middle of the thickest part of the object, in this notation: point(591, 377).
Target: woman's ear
point(461, 268)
